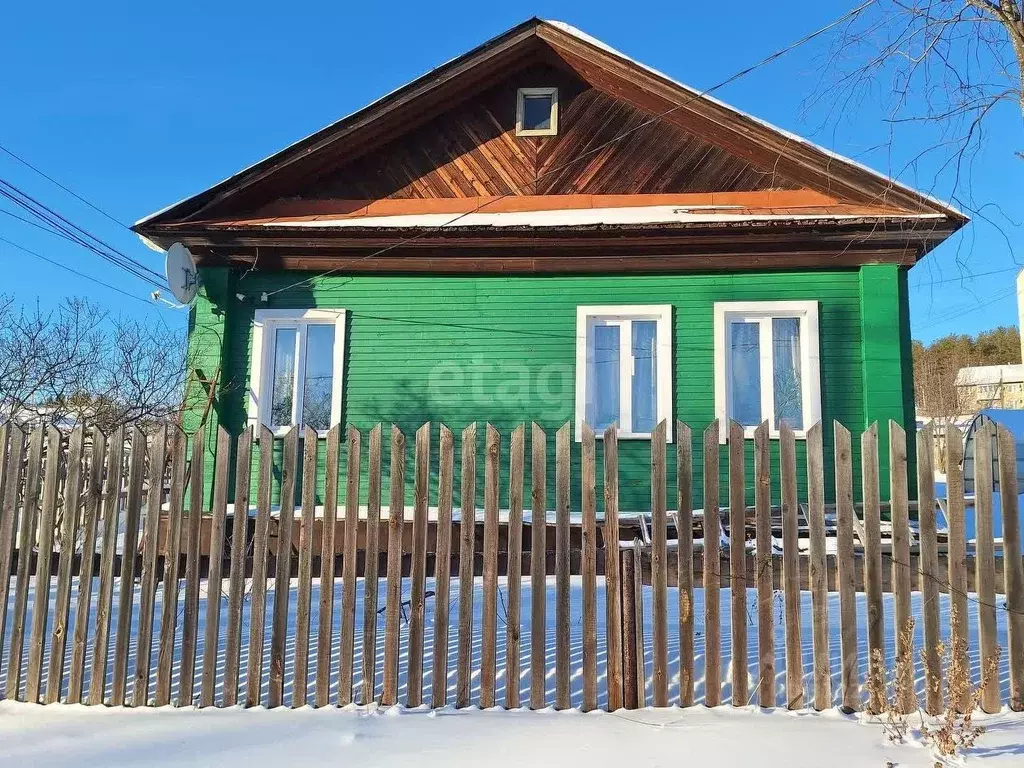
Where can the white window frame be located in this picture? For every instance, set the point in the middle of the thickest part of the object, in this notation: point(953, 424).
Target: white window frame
point(804, 311)
point(521, 96)
point(265, 325)
point(662, 314)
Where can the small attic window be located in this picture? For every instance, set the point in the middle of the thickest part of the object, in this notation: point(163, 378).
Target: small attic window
point(537, 112)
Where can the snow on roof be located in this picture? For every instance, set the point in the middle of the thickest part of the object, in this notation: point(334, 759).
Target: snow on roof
point(654, 214)
point(583, 36)
point(980, 375)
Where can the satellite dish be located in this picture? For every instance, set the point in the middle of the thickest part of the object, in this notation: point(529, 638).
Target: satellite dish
point(181, 272)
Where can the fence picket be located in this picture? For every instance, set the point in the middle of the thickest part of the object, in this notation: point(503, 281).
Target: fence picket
point(111, 504)
point(418, 570)
point(791, 569)
point(68, 528)
point(126, 578)
point(738, 562)
point(818, 566)
point(659, 568)
point(765, 569)
point(214, 582)
point(393, 593)
point(348, 566)
point(846, 575)
point(562, 460)
point(193, 534)
point(370, 577)
point(712, 571)
point(1014, 573)
point(236, 573)
point(325, 616)
point(514, 567)
point(26, 540)
point(9, 516)
point(442, 568)
point(41, 604)
point(283, 569)
point(489, 624)
point(467, 545)
point(147, 598)
point(612, 570)
point(588, 476)
point(629, 630)
point(985, 562)
point(957, 554)
point(901, 575)
point(304, 598)
point(638, 619)
point(258, 599)
point(538, 567)
point(684, 559)
point(929, 578)
point(172, 560)
point(873, 564)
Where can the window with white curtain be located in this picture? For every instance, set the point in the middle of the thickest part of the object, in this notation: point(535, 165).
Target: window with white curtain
point(767, 364)
point(297, 366)
point(623, 368)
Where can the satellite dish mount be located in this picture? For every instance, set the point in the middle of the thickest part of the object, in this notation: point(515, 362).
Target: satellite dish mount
point(181, 272)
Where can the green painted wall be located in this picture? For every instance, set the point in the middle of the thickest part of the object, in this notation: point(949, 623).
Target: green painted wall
point(502, 349)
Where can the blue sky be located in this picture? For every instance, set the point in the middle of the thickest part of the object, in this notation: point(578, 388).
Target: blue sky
point(137, 105)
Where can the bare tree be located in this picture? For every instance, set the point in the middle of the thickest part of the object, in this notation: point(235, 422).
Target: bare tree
point(945, 63)
point(78, 362)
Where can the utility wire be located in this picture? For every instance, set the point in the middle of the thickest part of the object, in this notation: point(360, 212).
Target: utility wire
point(930, 283)
point(37, 225)
point(696, 96)
point(53, 181)
point(1002, 295)
point(40, 210)
point(79, 235)
point(73, 271)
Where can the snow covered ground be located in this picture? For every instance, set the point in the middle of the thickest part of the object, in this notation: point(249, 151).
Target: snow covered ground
point(721, 737)
point(576, 641)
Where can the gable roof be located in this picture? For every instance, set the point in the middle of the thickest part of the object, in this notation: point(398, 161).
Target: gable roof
point(833, 190)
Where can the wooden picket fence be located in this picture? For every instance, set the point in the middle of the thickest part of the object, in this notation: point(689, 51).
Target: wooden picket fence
point(64, 497)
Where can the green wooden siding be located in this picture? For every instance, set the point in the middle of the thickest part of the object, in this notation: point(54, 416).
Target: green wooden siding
point(455, 350)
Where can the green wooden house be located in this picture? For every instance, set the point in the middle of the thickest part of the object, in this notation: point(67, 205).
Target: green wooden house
point(544, 229)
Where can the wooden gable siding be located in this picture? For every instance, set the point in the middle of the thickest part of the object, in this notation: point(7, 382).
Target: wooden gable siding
point(472, 151)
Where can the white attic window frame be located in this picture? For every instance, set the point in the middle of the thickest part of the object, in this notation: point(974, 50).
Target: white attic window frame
point(524, 93)
point(265, 325)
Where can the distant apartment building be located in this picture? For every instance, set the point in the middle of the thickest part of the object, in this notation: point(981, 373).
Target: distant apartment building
point(990, 386)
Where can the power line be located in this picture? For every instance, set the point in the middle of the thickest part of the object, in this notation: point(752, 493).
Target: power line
point(40, 210)
point(961, 278)
point(73, 271)
point(696, 96)
point(74, 194)
point(37, 225)
point(981, 305)
point(61, 224)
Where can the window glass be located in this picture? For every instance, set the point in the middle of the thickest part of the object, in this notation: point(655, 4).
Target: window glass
point(318, 377)
point(645, 379)
point(786, 373)
point(745, 373)
point(603, 376)
point(284, 377)
point(536, 113)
